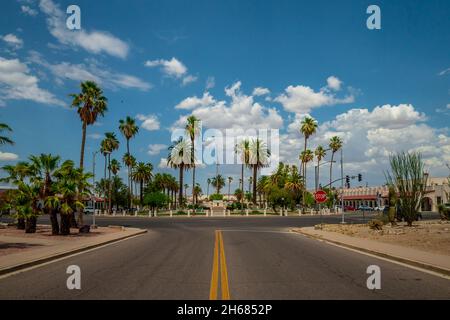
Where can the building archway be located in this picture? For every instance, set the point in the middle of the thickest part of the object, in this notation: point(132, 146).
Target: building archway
point(427, 204)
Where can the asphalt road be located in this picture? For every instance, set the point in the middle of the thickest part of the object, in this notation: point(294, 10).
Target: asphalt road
point(184, 258)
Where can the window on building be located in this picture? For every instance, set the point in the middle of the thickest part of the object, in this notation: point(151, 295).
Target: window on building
point(439, 200)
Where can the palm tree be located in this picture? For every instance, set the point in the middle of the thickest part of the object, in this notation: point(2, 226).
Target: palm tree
point(305, 157)
point(192, 129)
point(259, 156)
point(197, 192)
point(320, 154)
point(111, 144)
point(218, 182)
point(250, 182)
point(3, 139)
point(90, 103)
point(308, 128)
point(230, 179)
point(129, 129)
point(243, 148)
point(208, 181)
point(142, 173)
point(186, 186)
point(114, 166)
point(335, 145)
point(44, 167)
point(180, 158)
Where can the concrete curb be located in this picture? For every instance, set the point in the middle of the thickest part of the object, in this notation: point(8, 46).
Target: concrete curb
point(410, 262)
point(60, 255)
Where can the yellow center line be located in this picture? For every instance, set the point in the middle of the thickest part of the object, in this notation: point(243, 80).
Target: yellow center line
point(219, 255)
point(215, 270)
point(223, 271)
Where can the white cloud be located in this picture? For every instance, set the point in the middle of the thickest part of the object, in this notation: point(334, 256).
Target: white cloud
point(195, 102)
point(7, 156)
point(260, 91)
point(173, 68)
point(210, 83)
point(302, 99)
point(241, 112)
point(334, 83)
point(94, 42)
point(28, 10)
point(189, 79)
point(155, 149)
point(13, 41)
point(163, 164)
point(91, 70)
point(370, 136)
point(149, 122)
point(95, 136)
point(444, 72)
point(16, 83)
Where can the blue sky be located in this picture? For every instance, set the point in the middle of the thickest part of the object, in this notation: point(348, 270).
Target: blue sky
point(380, 90)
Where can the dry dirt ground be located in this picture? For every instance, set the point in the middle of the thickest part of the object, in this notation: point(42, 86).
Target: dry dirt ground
point(431, 236)
point(13, 240)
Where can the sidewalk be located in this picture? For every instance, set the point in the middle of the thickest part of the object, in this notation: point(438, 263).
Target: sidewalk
point(25, 251)
point(439, 263)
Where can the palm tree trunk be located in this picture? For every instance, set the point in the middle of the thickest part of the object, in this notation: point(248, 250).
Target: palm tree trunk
point(109, 184)
point(180, 195)
point(331, 169)
point(141, 198)
point(104, 187)
point(229, 186)
point(129, 175)
point(193, 172)
point(83, 142)
point(255, 175)
point(242, 183)
point(318, 176)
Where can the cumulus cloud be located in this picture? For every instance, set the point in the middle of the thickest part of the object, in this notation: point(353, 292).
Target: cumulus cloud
point(12, 40)
point(172, 68)
point(16, 83)
point(210, 83)
point(370, 136)
point(149, 122)
point(90, 70)
point(334, 83)
point(260, 91)
point(241, 112)
point(155, 149)
point(96, 42)
point(302, 99)
point(7, 156)
point(163, 164)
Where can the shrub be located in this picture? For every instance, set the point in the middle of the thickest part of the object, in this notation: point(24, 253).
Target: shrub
point(444, 212)
point(255, 212)
point(216, 196)
point(181, 212)
point(376, 224)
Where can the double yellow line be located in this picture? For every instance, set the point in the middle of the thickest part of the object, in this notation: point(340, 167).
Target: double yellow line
point(219, 257)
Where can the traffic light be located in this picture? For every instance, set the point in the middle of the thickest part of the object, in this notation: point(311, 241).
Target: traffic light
point(359, 177)
point(347, 181)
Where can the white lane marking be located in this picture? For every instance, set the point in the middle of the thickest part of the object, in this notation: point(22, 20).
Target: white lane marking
point(66, 257)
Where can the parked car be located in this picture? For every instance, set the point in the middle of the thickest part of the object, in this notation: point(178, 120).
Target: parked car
point(349, 208)
point(89, 210)
point(365, 208)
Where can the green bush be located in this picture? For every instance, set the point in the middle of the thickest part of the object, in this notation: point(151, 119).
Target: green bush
point(444, 211)
point(216, 196)
point(256, 212)
point(376, 224)
point(181, 213)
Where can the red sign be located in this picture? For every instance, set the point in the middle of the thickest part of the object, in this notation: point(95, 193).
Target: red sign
point(320, 196)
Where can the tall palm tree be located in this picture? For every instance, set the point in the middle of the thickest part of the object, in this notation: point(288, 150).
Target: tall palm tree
point(44, 167)
point(308, 128)
point(305, 157)
point(129, 129)
point(111, 144)
point(230, 179)
point(259, 158)
point(193, 129)
point(218, 182)
point(197, 192)
point(114, 166)
point(90, 103)
point(180, 158)
point(243, 148)
point(186, 186)
point(3, 139)
point(250, 182)
point(208, 181)
point(142, 173)
point(335, 145)
point(320, 154)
